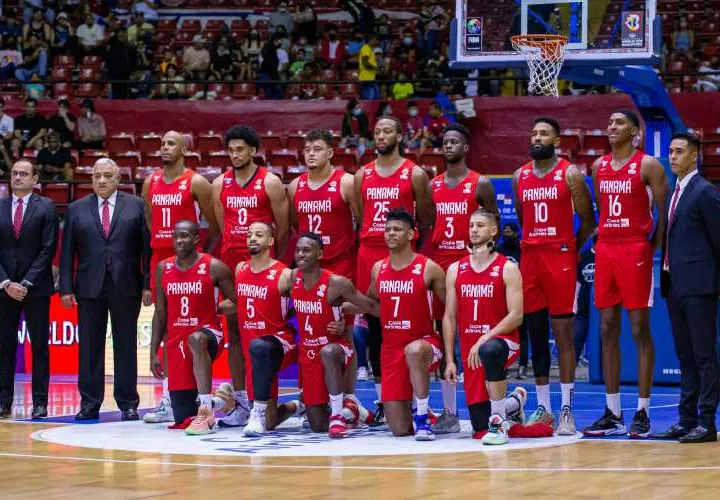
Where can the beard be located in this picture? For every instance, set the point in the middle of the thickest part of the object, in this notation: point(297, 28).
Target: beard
point(542, 152)
point(243, 166)
point(387, 150)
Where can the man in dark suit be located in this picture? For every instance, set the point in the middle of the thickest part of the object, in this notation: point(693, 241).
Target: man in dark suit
point(691, 281)
point(28, 238)
point(105, 235)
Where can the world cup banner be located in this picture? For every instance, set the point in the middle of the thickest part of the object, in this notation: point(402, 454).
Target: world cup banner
point(633, 29)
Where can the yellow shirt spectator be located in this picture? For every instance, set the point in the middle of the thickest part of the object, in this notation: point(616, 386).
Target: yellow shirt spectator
point(403, 90)
point(367, 73)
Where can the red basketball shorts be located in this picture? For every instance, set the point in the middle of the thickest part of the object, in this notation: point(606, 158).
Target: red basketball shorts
point(474, 380)
point(158, 255)
point(312, 375)
point(289, 357)
point(549, 274)
point(623, 274)
point(180, 374)
point(367, 257)
point(396, 385)
point(343, 265)
point(444, 260)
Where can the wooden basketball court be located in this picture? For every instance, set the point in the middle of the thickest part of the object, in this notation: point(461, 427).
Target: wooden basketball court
point(34, 468)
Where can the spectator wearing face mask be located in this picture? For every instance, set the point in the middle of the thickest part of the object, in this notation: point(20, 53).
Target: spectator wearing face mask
point(355, 128)
point(281, 17)
point(413, 126)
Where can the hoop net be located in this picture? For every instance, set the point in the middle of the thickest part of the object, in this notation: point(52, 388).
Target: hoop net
point(544, 55)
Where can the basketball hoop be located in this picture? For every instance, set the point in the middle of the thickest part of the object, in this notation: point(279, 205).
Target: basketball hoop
point(544, 55)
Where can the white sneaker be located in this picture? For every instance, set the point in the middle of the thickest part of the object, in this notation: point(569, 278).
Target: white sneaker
point(256, 426)
point(238, 417)
point(362, 374)
point(162, 413)
point(497, 433)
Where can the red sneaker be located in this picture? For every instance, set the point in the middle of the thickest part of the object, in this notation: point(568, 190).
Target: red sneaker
point(338, 427)
point(182, 425)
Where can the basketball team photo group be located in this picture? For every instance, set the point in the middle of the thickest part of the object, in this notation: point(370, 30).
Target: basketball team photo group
point(384, 245)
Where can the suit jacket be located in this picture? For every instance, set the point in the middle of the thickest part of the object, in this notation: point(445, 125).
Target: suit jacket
point(30, 256)
point(693, 238)
point(126, 249)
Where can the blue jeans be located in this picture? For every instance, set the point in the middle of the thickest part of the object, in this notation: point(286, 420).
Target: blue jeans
point(24, 74)
point(369, 91)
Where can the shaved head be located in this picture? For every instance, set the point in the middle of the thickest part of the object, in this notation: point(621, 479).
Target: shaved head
point(180, 138)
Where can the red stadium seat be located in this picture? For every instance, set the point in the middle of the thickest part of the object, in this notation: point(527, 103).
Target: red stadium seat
point(221, 90)
point(210, 173)
point(92, 61)
point(87, 91)
point(570, 139)
point(90, 156)
point(259, 159)
point(152, 160)
point(349, 90)
point(586, 157)
point(81, 191)
point(127, 188)
point(283, 158)
point(217, 159)
point(142, 172)
point(83, 174)
point(65, 61)
point(192, 160)
point(183, 39)
point(120, 143)
point(149, 143)
point(166, 25)
point(243, 91)
point(347, 160)
point(61, 73)
point(596, 139)
point(205, 143)
point(270, 142)
point(89, 73)
point(130, 159)
point(296, 142)
point(433, 159)
point(62, 91)
point(293, 172)
point(59, 193)
point(190, 25)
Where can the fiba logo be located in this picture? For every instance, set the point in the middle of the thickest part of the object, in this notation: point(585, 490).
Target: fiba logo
point(588, 273)
point(632, 21)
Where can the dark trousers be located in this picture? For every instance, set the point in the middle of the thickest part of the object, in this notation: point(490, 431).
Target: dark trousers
point(92, 330)
point(580, 328)
point(37, 319)
point(523, 331)
point(693, 321)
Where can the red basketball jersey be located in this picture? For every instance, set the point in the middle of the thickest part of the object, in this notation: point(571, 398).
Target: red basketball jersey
point(481, 299)
point(453, 207)
point(547, 206)
point(313, 315)
point(405, 302)
point(242, 207)
point(380, 194)
point(190, 298)
point(261, 309)
point(170, 203)
point(323, 211)
point(626, 201)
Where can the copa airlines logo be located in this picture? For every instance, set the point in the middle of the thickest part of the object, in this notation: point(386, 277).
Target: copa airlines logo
point(290, 440)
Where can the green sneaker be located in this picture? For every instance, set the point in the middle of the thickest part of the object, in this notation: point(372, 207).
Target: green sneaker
point(497, 433)
point(541, 416)
point(518, 416)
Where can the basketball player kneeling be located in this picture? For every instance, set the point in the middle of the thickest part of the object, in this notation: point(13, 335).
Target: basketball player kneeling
point(186, 311)
point(485, 304)
point(324, 357)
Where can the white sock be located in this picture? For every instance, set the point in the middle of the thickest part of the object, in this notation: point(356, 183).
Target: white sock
point(644, 404)
point(261, 407)
point(511, 405)
point(543, 396)
point(449, 395)
point(378, 390)
point(567, 394)
point(336, 404)
point(166, 391)
point(613, 402)
point(422, 406)
point(498, 408)
point(205, 400)
point(240, 396)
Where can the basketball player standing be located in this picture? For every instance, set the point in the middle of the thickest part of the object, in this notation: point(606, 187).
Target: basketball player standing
point(245, 194)
point(172, 194)
point(628, 183)
point(455, 195)
point(548, 190)
point(386, 183)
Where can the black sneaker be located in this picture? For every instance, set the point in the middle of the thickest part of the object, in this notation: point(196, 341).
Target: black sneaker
point(640, 427)
point(379, 420)
point(607, 425)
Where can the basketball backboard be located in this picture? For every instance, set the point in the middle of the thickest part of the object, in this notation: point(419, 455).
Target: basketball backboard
point(599, 32)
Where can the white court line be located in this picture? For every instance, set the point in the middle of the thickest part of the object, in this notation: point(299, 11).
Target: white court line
point(362, 467)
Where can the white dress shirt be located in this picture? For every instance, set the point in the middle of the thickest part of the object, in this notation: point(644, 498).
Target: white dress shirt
point(673, 202)
point(111, 202)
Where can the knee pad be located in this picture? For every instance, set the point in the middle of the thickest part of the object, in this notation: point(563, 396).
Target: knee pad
point(494, 356)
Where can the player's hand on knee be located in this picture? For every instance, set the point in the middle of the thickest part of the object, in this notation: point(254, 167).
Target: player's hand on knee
point(474, 355)
point(156, 366)
point(451, 373)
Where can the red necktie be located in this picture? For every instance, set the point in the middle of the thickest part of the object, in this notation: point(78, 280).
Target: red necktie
point(18, 218)
point(106, 218)
point(673, 205)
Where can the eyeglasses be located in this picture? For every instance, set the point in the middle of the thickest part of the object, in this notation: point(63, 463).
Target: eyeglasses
point(19, 173)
